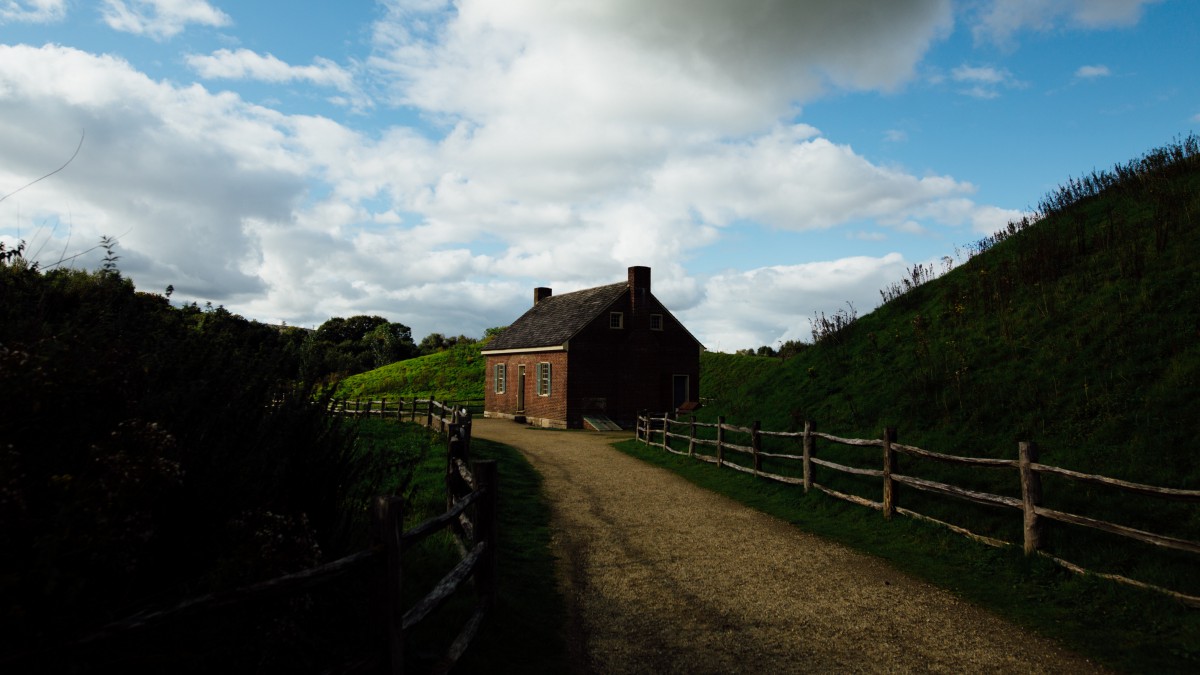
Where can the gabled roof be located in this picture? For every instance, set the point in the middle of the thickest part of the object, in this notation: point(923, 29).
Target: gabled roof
point(556, 319)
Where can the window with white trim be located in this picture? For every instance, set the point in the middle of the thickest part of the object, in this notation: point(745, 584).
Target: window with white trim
point(543, 379)
point(500, 378)
point(616, 319)
point(656, 322)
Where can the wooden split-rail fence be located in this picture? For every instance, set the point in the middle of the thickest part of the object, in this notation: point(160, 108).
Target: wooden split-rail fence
point(1026, 465)
point(471, 512)
point(425, 411)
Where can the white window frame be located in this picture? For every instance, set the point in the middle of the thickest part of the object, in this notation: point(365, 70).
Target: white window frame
point(616, 320)
point(500, 378)
point(656, 322)
point(544, 378)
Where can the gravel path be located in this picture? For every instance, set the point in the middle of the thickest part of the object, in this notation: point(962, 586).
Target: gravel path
point(662, 576)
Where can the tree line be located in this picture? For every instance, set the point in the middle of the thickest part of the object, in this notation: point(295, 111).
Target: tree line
point(346, 346)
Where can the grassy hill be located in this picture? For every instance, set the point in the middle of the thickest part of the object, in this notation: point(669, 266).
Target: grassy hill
point(1079, 331)
point(454, 374)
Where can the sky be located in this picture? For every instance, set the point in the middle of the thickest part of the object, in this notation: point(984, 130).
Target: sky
point(433, 162)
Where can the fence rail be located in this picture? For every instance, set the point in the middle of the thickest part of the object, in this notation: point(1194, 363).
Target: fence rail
point(415, 409)
point(662, 427)
point(473, 488)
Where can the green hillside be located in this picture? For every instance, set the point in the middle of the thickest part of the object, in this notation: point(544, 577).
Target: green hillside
point(1079, 331)
point(452, 374)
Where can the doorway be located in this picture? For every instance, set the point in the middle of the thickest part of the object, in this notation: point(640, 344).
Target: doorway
point(520, 388)
point(679, 391)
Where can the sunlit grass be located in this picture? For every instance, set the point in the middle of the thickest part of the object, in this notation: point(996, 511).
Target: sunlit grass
point(454, 374)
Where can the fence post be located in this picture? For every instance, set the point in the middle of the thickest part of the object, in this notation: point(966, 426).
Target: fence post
point(487, 516)
point(756, 445)
point(666, 430)
point(388, 516)
point(367, 412)
point(429, 412)
point(383, 408)
point(413, 419)
point(889, 466)
point(1031, 495)
point(464, 430)
point(809, 446)
point(455, 487)
point(720, 438)
point(692, 437)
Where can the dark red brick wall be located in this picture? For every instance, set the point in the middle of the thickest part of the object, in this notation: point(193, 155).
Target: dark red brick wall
point(537, 408)
point(613, 372)
point(631, 368)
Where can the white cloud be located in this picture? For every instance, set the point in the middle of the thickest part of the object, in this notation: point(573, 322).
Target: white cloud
point(173, 172)
point(787, 180)
point(639, 134)
point(1000, 20)
point(681, 65)
point(980, 75)
point(161, 19)
point(981, 219)
point(773, 304)
point(32, 11)
point(983, 81)
point(246, 64)
point(1092, 72)
point(869, 236)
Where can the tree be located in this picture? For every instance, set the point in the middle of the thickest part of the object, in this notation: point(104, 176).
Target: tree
point(791, 348)
point(436, 342)
point(356, 344)
point(338, 330)
point(432, 344)
point(391, 342)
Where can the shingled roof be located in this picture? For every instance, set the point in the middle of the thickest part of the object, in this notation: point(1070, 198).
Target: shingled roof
point(556, 319)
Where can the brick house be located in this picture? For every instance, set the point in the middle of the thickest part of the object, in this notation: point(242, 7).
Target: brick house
point(602, 353)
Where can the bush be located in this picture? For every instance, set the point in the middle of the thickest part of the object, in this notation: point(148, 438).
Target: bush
point(150, 453)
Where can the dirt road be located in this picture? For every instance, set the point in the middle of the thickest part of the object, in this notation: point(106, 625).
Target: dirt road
point(664, 577)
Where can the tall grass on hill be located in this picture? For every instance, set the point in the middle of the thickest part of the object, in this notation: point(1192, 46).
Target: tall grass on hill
point(1078, 330)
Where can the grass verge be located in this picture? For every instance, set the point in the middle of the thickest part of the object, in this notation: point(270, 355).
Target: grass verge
point(1120, 627)
point(524, 632)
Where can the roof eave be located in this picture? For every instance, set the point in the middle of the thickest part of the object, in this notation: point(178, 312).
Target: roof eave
point(526, 350)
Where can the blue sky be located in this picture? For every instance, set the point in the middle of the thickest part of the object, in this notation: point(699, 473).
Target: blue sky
point(433, 162)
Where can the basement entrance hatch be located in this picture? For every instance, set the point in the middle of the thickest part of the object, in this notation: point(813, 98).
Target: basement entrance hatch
point(600, 423)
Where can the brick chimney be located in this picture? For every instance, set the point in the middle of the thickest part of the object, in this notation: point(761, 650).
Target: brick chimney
point(541, 293)
point(639, 289)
